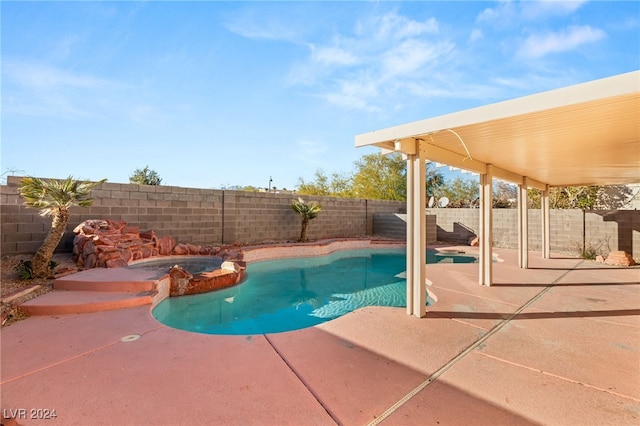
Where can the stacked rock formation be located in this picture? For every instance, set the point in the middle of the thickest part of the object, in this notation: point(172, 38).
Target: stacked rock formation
point(112, 244)
point(183, 283)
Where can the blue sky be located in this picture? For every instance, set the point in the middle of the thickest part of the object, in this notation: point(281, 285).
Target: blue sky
point(213, 94)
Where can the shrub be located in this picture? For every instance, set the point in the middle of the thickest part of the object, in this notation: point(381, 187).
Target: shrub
point(24, 269)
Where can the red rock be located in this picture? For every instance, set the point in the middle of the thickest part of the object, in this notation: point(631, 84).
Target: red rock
point(116, 225)
point(146, 252)
point(180, 249)
point(89, 261)
point(619, 258)
point(88, 249)
point(89, 227)
point(180, 281)
point(132, 230)
point(233, 255)
point(149, 235)
point(101, 240)
point(166, 245)
point(79, 241)
point(113, 254)
point(116, 263)
point(181, 284)
point(193, 249)
point(108, 242)
point(100, 250)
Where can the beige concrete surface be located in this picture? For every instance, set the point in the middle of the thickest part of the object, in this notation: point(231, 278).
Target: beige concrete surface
point(557, 344)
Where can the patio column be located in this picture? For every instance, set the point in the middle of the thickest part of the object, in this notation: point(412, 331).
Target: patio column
point(546, 227)
point(416, 234)
point(523, 226)
point(486, 231)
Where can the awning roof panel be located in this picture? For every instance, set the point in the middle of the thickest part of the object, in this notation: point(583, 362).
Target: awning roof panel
point(586, 134)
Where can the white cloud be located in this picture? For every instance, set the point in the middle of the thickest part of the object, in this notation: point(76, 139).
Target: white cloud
point(411, 56)
point(509, 13)
point(537, 9)
point(363, 70)
point(332, 55)
point(36, 89)
point(51, 105)
point(503, 13)
point(269, 30)
point(392, 26)
point(356, 93)
point(539, 45)
point(39, 76)
point(64, 48)
point(475, 35)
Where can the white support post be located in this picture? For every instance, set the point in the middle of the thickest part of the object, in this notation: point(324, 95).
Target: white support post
point(523, 226)
point(416, 234)
point(546, 227)
point(420, 238)
point(410, 232)
point(486, 232)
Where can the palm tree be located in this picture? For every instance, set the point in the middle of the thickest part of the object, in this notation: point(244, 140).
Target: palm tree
point(54, 198)
point(308, 212)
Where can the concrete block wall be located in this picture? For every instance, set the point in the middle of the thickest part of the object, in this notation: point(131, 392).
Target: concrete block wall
point(207, 216)
point(390, 225)
point(191, 215)
point(605, 230)
point(455, 225)
point(259, 217)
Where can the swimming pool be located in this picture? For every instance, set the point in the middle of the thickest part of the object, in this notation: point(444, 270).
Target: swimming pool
point(290, 294)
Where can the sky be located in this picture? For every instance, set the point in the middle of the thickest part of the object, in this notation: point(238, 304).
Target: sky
point(218, 94)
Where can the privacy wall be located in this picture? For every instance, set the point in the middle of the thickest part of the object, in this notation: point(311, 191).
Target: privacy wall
point(207, 216)
point(191, 215)
point(570, 229)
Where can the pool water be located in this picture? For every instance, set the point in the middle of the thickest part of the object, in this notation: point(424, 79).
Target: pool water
point(290, 294)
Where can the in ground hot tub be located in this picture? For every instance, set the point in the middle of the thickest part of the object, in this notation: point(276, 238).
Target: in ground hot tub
point(192, 264)
point(194, 274)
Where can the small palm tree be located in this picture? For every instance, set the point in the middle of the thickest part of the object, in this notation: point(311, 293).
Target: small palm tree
point(308, 212)
point(54, 198)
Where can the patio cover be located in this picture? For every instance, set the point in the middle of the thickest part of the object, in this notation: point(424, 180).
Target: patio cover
point(586, 134)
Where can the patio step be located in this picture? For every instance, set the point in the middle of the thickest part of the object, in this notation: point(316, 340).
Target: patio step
point(103, 279)
point(59, 302)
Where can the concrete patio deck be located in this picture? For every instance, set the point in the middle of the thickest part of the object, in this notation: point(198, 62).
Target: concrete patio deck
point(556, 344)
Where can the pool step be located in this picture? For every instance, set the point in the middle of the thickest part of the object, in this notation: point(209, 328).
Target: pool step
point(59, 302)
point(103, 279)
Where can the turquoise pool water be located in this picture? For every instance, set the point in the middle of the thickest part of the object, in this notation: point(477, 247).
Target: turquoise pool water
point(290, 294)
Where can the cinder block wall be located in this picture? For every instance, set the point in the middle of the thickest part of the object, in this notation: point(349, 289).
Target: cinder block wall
point(395, 226)
point(190, 215)
point(604, 230)
point(207, 216)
